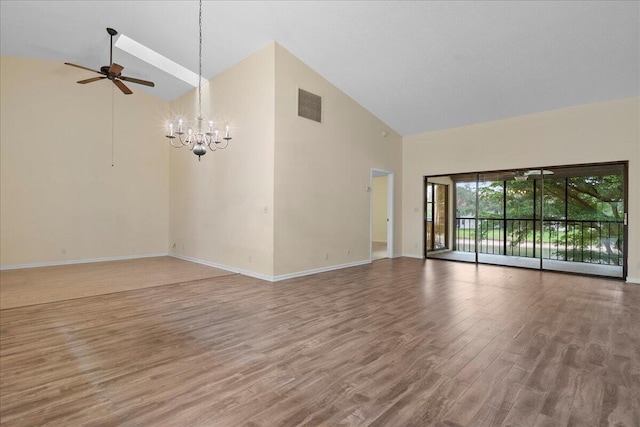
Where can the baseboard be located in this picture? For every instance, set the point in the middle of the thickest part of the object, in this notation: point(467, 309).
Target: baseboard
point(78, 261)
point(225, 267)
point(267, 277)
point(634, 280)
point(319, 270)
point(413, 256)
point(397, 256)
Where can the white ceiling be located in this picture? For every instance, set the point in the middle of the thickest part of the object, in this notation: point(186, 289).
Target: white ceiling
point(418, 66)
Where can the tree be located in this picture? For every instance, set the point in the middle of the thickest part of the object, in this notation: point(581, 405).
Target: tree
point(582, 214)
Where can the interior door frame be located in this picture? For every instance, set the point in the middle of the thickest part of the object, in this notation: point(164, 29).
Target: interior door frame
point(375, 172)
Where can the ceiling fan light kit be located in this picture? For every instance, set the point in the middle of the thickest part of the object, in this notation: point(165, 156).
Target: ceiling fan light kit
point(198, 140)
point(112, 71)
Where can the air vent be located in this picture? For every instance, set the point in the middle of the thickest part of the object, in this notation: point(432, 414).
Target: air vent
point(309, 106)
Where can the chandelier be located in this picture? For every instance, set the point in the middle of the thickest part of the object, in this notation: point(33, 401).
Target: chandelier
point(197, 140)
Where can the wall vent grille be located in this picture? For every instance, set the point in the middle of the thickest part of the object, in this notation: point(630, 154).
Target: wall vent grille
point(309, 106)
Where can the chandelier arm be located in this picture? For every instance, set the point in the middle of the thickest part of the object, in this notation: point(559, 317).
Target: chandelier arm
point(181, 140)
point(212, 144)
point(222, 144)
point(174, 145)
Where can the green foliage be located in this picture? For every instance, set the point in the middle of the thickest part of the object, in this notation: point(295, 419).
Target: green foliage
point(465, 200)
point(597, 199)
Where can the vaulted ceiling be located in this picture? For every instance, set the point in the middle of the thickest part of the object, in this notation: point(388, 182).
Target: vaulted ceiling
point(418, 66)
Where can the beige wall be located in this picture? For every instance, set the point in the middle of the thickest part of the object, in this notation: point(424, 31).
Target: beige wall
point(601, 132)
point(315, 216)
point(59, 191)
point(379, 194)
point(222, 206)
point(259, 206)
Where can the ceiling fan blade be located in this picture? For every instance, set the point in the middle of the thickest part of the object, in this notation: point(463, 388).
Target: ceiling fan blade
point(84, 68)
point(122, 87)
point(115, 69)
point(92, 79)
point(140, 82)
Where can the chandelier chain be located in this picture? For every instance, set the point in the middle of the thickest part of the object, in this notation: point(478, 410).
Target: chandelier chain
point(198, 139)
point(200, 61)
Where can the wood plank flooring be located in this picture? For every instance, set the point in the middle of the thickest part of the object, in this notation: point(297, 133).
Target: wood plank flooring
point(400, 342)
point(29, 286)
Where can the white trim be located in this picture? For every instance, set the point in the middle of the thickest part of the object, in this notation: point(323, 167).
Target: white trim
point(79, 261)
point(390, 209)
point(398, 255)
point(634, 280)
point(390, 223)
point(413, 256)
point(225, 267)
point(319, 270)
point(267, 277)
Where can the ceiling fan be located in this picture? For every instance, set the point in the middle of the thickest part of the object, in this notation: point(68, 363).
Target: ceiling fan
point(112, 71)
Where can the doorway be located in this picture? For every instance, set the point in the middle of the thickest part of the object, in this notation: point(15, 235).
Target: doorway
point(381, 227)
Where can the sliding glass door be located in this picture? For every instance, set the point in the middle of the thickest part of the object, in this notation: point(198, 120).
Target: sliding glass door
point(569, 218)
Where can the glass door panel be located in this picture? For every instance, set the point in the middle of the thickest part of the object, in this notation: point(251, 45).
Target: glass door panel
point(464, 240)
point(439, 223)
point(584, 219)
point(440, 214)
point(436, 216)
point(506, 219)
point(428, 210)
point(491, 224)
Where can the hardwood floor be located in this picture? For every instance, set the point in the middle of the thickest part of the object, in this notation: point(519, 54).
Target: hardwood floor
point(398, 342)
point(41, 285)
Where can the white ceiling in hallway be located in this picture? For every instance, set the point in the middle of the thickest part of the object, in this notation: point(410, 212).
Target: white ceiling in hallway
point(418, 66)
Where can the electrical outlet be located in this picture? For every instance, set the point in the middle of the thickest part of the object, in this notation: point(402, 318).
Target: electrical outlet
point(266, 209)
point(63, 251)
point(174, 245)
point(348, 251)
point(326, 255)
point(415, 245)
